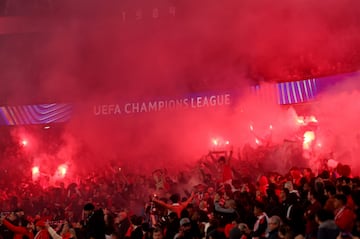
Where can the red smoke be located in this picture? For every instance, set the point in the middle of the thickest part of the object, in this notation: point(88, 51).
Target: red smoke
point(89, 55)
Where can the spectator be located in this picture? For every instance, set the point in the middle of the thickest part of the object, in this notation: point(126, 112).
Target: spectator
point(344, 217)
point(19, 231)
point(273, 227)
point(123, 224)
point(176, 206)
point(65, 231)
point(185, 231)
point(295, 215)
point(94, 223)
point(330, 191)
point(261, 223)
point(137, 232)
point(311, 210)
point(327, 227)
point(42, 232)
point(157, 233)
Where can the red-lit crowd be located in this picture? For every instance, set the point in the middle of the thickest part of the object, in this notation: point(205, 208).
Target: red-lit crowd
point(111, 204)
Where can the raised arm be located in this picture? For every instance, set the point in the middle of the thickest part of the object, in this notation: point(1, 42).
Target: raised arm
point(189, 200)
point(13, 228)
point(162, 203)
point(53, 233)
point(174, 208)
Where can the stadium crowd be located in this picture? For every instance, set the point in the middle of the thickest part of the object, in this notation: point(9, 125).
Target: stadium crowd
point(221, 204)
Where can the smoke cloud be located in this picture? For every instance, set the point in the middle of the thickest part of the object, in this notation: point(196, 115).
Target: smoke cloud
point(95, 53)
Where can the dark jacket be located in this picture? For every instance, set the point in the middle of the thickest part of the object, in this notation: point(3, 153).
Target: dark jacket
point(122, 228)
point(137, 233)
point(273, 234)
point(328, 230)
point(95, 225)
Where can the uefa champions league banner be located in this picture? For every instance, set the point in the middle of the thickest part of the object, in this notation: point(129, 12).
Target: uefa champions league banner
point(170, 104)
point(60, 112)
point(283, 93)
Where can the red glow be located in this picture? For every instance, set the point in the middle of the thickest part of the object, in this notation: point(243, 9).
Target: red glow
point(35, 170)
point(215, 142)
point(300, 120)
point(62, 170)
point(35, 173)
point(24, 142)
point(251, 128)
point(309, 137)
point(312, 119)
point(220, 143)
